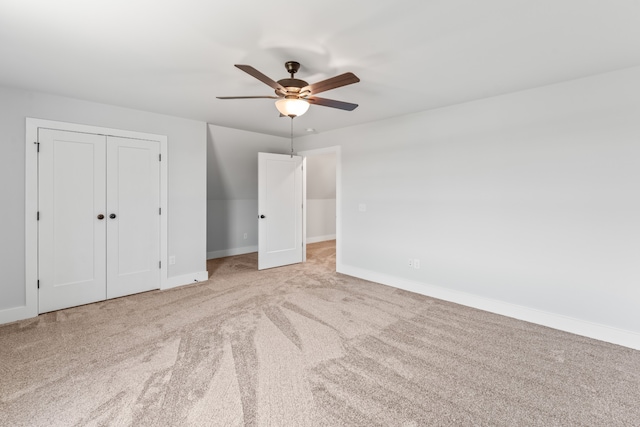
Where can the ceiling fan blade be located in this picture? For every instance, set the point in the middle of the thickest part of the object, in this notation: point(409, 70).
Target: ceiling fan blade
point(332, 103)
point(264, 79)
point(332, 83)
point(246, 97)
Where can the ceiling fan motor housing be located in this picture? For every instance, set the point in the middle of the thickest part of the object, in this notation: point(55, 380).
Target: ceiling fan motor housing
point(292, 86)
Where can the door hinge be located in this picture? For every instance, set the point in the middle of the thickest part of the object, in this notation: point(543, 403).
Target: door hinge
point(159, 264)
point(159, 157)
point(38, 216)
point(37, 146)
point(38, 284)
point(159, 211)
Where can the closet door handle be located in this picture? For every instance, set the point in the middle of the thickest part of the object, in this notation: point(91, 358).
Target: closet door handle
point(100, 216)
point(112, 216)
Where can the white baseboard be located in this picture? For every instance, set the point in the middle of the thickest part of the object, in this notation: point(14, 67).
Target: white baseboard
point(186, 279)
point(233, 251)
point(324, 238)
point(249, 249)
point(14, 314)
point(564, 323)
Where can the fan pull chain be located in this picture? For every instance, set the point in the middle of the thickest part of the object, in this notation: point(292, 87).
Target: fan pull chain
point(292, 136)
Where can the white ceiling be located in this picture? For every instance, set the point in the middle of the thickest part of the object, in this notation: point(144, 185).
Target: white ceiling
point(175, 57)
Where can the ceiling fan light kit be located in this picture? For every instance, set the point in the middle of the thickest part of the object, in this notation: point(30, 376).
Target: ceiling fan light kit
point(294, 95)
point(292, 107)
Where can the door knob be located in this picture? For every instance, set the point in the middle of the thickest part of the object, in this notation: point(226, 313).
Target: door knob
point(262, 216)
point(112, 216)
point(100, 216)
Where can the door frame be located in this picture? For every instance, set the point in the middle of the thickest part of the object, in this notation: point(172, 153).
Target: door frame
point(31, 199)
point(338, 152)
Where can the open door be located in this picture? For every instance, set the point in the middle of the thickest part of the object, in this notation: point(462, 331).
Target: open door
point(280, 210)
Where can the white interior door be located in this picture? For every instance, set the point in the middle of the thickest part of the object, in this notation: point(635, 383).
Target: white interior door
point(133, 216)
point(71, 198)
point(280, 238)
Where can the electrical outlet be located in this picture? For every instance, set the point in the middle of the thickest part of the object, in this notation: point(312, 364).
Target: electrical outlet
point(245, 236)
point(410, 262)
point(172, 260)
point(416, 263)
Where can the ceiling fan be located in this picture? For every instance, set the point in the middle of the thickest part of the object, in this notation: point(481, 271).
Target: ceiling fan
point(294, 95)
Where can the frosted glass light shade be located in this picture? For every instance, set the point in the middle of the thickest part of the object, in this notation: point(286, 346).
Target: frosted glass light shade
point(292, 107)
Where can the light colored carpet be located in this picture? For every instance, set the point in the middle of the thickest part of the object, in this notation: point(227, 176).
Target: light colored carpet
point(304, 346)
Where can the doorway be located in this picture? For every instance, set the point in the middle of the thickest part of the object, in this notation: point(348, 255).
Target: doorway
point(323, 197)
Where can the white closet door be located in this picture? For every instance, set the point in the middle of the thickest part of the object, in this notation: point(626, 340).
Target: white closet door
point(133, 228)
point(71, 197)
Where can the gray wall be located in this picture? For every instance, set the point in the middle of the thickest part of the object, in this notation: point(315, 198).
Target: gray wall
point(186, 178)
point(530, 199)
point(321, 197)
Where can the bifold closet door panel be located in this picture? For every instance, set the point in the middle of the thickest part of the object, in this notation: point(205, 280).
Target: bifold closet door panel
point(133, 217)
point(71, 199)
